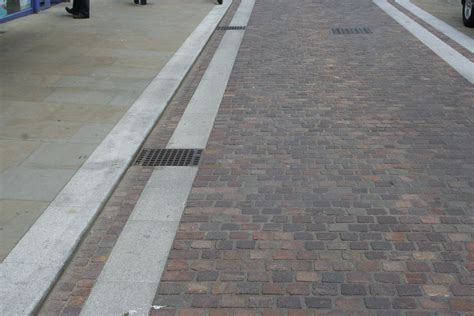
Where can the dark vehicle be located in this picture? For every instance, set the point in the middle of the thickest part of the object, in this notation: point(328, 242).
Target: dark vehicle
point(467, 14)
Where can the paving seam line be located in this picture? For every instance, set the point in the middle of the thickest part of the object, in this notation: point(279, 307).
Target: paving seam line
point(443, 27)
point(138, 259)
point(31, 268)
point(456, 60)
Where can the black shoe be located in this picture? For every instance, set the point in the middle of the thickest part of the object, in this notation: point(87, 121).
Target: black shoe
point(142, 2)
point(80, 16)
point(219, 1)
point(70, 11)
point(136, 1)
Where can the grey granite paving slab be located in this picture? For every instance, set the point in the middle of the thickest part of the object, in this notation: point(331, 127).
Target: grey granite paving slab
point(16, 218)
point(106, 83)
point(27, 279)
point(14, 152)
point(44, 130)
point(91, 133)
point(131, 298)
point(165, 194)
point(21, 183)
point(59, 156)
point(140, 253)
point(41, 244)
point(80, 95)
point(87, 187)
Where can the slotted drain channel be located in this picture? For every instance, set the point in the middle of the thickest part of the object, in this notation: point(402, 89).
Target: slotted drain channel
point(231, 28)
point(356, 30)
point(168, 157)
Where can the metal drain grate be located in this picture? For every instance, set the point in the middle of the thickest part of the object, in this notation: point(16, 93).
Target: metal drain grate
point(231, 28)
point(356, 30)
point(168, 157)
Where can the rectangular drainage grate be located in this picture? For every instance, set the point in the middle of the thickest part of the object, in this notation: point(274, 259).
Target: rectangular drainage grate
point(231, 28)
point(168, 157)
point(356, 30)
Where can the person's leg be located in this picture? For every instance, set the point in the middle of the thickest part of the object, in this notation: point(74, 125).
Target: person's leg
point(82, 9)
point(85, 8)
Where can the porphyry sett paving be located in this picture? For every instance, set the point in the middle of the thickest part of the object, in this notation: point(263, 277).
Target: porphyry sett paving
point(337, 179)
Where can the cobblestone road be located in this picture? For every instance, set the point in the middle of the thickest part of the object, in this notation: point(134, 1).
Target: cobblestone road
point(338, 178)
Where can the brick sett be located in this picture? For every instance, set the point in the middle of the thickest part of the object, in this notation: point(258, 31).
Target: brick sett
point(336, 159)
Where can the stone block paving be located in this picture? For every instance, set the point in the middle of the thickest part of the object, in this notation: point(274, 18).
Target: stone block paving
point(338, 179)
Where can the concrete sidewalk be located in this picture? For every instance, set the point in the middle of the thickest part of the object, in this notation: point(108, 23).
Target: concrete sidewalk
point(65, 84)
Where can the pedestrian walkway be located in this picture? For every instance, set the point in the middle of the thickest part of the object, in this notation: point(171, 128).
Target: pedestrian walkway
point(65, 84)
